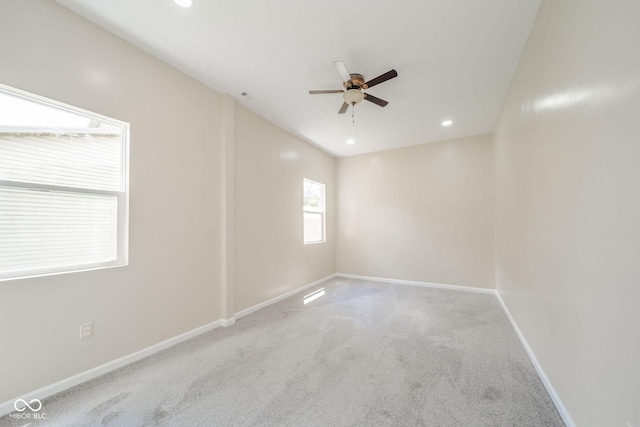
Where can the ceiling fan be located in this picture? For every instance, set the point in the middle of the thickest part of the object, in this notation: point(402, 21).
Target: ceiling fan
point(355, 86)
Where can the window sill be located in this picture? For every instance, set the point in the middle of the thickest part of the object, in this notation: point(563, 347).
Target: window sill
point(57, 272)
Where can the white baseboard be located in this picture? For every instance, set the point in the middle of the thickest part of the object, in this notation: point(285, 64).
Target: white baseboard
point(228, 322)
point(562, 410)
point(414, 283)
point(46, 391)
point(256, 307)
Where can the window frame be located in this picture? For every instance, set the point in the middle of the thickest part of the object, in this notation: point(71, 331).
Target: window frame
point(122, 197)
point(322, 211)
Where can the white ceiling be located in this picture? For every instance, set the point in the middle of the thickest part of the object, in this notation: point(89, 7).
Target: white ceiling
point(455, 60)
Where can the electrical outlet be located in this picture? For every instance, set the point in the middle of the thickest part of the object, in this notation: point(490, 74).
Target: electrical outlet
point(86, 331)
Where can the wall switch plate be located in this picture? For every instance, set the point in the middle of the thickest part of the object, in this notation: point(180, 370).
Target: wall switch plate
point(392, 263)
point(86, 331)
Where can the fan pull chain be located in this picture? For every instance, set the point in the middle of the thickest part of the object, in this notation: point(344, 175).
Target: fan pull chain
point(353, 112)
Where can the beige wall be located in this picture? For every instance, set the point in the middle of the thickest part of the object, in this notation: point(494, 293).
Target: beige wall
point(567, 209)
point(185, 268)
point(428, 209)
point(568, 186)
point(171, 284)
point(270, 167)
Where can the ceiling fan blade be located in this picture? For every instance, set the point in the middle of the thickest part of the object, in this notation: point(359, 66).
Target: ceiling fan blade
point(343, 109)
point(342, 70)
point(383, 78)
point(317, 92)
point(375, 100)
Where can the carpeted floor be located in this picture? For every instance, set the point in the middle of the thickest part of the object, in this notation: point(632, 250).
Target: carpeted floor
point(364, 354)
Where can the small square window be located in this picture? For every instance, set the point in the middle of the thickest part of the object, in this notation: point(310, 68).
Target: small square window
point(313, 212)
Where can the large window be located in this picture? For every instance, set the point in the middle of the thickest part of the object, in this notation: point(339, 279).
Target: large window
point(313, 212)
point(63, 187)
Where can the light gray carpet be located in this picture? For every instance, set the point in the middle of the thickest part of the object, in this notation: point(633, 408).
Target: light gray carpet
point(364, 354)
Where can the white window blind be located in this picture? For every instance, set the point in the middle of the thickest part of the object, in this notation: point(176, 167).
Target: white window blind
point(63, 201)
point(69, 160)
point(45, 229)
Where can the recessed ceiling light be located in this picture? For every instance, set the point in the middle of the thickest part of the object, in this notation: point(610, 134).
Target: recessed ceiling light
point(184, 3)
point(447, 123)
point(350, 141)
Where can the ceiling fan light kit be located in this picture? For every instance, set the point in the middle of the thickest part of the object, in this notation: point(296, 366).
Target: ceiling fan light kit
point(355, 86)
point(353, 96)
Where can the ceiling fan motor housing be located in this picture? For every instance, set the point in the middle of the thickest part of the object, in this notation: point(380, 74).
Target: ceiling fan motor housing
point(357, 81)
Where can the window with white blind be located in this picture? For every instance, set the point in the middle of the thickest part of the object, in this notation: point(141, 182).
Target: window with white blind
point(313, 211)
point(63, 187)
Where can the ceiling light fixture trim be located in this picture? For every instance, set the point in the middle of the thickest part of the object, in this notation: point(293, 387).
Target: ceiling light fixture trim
point(185, 3)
